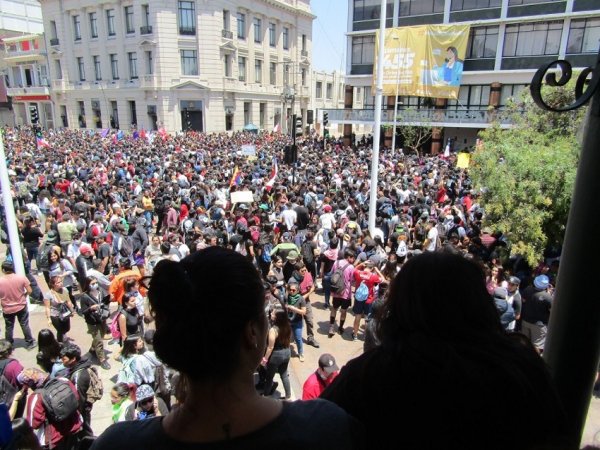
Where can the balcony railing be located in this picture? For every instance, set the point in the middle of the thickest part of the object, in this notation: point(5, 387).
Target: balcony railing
point(187, 31)
point(146, 30)
point(148, 81)
point(227, 34)
point(466, 118)
point(54, 41)
point(28, 90)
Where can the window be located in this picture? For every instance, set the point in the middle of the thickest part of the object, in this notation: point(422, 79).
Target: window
point(76, 28)
point(228, 121)
point(226, 20)
point(132, 112)
point(189, 62)
point(132, 59)
point(114, 118)
point(286, 38)
point(128, 10)
point(241, 68)
point(81, 69)
point(329, 91)
point(303, 77)
point(247, 109)
point(511, 92)
point(257, 30)
point(114, 66)
point(418, 7)
point(464, 5)
point(319, 89)
point(93, 25)
point(584, 36)
point(469, 97)
point(262, 109)
point(363, 48)
point(303, 42)
point(286, 75)
point(258, 71)
point(53, 31)
point(370, 9)
point(369, 102)
point(533, 39)
point(187, 18)
point(241, 25)
point(273, 73)
point(110, 22)
point(149, 63)
point(272, 35)
point(97, 68)
point(58, 69)
point(146, 15)
point(227, 66)
point(81, 114)
point(482, 42)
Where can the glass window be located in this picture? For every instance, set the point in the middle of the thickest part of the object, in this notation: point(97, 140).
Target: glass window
point(272, 35)
point(303, 76)
point(128, 10)
point(532, 39)
point(286, 38)
point(371, 9)
point(369, 102)
point(510, 92)
point(226, 20)
point(189, 62)
point(241, 68)
point(471, 97)
point(584, 36)
point(97, 68)
point(273, 73)
point(227, 65)
point(418, 7)
point(303, 42)
point(81, 68)
point(81, 114)
point(258, 71)
point(76, 28)
point(93, 25)
point(149, 63)
point(363, 48)
point(257, 30)
point(241, 25)
point(319, 89)
point(482, 42)
point(464, 5)
point(133, 112)
point(132, 58)
point(114, 66)
point(110, 21)
point(187, 18)
point(58, 69)
point(329, 91)
point(146, 14)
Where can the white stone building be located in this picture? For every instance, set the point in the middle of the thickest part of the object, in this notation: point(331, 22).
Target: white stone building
point(202, 65)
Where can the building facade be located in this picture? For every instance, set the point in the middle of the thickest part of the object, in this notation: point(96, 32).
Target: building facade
point(205, 66)
point(17, 18)
point(509, 40)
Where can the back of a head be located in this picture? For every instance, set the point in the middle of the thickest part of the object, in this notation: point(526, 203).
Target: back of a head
point(208, 297)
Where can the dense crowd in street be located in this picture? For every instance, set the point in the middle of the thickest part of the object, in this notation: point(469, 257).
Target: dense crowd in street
point(98, 213)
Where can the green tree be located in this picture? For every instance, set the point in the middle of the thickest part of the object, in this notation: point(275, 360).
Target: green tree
point(528, 172)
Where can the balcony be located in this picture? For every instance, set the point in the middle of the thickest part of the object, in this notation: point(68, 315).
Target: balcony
point(227, 34)
point(28, 90)
point(25, 56)
point(54, 41)
point(146, 30)
point(148, 82)
point(187, 31)
point(59, 85)
point(461, 118)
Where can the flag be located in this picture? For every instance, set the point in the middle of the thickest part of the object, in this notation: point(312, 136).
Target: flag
point(151, 137)
point(41, 142)
point(236, 178)
point(143, 134)
point(120, 135)
point(136, 135)
point(104, 132)
point(277, 129)
point(114, 138)
point(271, 181)
point(163, 134)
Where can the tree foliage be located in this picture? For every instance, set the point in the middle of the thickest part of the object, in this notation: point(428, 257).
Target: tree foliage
point(528, 172)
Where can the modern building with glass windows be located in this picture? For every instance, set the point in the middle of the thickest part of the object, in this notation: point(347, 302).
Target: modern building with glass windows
point(179, 64)
point(509, 40)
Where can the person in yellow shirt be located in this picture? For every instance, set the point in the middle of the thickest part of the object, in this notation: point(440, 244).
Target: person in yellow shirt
point(148, 207)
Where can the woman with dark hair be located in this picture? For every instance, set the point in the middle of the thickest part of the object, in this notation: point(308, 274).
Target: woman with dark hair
point(220, 402)
point(130, 319)
point(132, 347)
point(31, 239)
point(59, 307)
point(442, 344)
point(278, 354)
point(48, 357)
point(120, 398)
point(95, 315)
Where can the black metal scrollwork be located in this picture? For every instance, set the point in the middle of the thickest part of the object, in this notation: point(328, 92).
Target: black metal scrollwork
point(584, 87)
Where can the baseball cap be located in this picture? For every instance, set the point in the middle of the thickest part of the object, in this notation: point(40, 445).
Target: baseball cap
point(292, 255)
point(85, 249)
point(327, 208)
point(514, 280)
point(327, 363)
point(143, 392)
point(541, 282)
point(52, 235)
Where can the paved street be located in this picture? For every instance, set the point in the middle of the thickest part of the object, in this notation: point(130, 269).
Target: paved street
point(343, 348)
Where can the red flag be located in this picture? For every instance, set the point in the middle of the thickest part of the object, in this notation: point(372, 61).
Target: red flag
point(271, 181)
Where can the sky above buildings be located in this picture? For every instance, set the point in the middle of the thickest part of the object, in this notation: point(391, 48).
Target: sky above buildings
point(328, 38)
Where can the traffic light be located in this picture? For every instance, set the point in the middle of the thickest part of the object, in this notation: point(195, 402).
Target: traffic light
point(325, 119)
point(290, 154)
point(298, 126)
point(35, 118)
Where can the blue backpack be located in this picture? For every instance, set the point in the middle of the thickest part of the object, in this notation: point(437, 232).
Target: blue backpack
point(362, 292)
point(266, 252)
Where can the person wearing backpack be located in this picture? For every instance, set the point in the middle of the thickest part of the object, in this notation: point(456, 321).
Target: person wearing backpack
point(151, 371)
point(366, 277)
point(10, 368)
point(88, 385)
point(505, 309)
point(341, 289)
point(42, 261)
point(52, 410)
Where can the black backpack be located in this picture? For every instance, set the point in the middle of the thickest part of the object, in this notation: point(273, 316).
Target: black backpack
point(337, 281)
point(126, 246)
point(7, 390)
point(59, 399)
point(42, 260)
point(307, 252)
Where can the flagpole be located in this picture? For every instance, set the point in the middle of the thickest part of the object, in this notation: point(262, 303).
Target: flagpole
point(377, 131)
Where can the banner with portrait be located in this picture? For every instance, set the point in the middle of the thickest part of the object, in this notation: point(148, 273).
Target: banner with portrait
point(423, 61)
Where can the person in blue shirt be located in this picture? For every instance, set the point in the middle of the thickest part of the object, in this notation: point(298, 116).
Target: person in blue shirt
point(451, 71)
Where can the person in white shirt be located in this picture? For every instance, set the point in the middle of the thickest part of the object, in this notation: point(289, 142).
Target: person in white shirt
point(289, 217)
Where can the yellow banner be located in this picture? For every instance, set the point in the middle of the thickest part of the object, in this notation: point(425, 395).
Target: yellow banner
point(463, 159)
point(423, 61)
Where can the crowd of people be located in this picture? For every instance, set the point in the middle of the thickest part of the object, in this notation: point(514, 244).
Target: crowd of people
point(196, 243)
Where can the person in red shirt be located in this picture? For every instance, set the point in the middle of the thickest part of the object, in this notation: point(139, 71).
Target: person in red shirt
point(320, 378)
point(370, 275)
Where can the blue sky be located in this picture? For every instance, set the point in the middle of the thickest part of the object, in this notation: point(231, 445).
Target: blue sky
point(328, 39)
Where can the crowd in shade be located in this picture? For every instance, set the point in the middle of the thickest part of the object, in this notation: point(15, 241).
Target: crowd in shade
point(154, 240)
